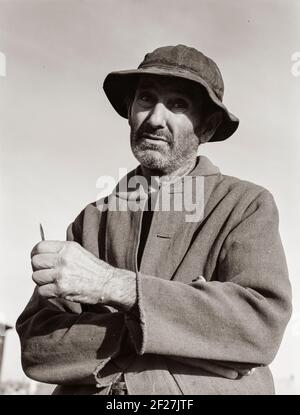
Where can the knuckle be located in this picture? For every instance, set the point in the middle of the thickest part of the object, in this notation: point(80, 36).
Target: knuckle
point(58, 291)
point(59, 276)
point(36, 277)
point(62, 274)
point(72, 243)
point(34, 262)
point(73, 247)
point(65, 255)
point(60, 261)
point(61, 281)
point(36, 249)
point(41, 291)
point(68, 245)
point(33, 251)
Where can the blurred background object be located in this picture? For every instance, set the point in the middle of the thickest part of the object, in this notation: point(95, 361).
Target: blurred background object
point(3, 329)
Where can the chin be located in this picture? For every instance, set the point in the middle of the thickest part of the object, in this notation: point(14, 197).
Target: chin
point(151, 159)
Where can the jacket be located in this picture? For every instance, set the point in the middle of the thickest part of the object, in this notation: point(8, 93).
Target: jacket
point(212, 289)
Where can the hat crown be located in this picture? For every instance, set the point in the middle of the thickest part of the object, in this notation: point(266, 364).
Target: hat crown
point(177, 62)
point(187, 59)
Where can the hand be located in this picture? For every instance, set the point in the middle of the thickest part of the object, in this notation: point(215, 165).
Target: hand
point(66, 269)
point(224, 369)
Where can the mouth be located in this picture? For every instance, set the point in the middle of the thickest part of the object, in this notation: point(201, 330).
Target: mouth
point(153, 138)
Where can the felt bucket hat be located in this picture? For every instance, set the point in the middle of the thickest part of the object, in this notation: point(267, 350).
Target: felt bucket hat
point(176, 62)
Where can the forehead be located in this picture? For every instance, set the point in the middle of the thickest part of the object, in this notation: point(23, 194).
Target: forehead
point(167, 84)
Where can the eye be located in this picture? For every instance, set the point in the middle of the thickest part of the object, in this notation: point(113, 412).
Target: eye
point(179, 104)
point(145, 98)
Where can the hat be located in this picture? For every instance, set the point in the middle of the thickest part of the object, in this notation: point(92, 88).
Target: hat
point(176, 62)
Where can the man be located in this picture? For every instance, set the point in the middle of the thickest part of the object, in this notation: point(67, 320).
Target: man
point(144, 299)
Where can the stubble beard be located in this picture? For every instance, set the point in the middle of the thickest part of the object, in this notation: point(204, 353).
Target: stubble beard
point(164, 158)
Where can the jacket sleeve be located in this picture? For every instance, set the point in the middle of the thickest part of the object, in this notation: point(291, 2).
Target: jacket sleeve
point(238, 317)
point(63, 345)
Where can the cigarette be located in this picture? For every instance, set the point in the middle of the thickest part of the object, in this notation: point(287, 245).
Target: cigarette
point(42, 232)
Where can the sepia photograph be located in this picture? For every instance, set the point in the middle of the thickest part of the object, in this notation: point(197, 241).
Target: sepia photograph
point(149, 176)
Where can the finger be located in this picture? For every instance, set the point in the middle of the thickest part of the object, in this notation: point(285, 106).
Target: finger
point(243, 369)
point(47, 247)
point(220, 370)
point(48, 291)
point(44, 261)
point(43, 277)
point(247, 372)
point(210, 367)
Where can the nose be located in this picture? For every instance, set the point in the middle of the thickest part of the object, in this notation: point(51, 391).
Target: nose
point(158, 116)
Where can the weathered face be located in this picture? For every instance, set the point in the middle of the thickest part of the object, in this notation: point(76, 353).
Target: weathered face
point(164, 119)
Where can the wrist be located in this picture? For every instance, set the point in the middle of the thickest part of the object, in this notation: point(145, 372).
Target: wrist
point(120, 289)
point(105, 294)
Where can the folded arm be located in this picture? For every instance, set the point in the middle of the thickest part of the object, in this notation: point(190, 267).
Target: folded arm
point(64, 342)
point(64, 346)
point(234, 323)
point(240, 317)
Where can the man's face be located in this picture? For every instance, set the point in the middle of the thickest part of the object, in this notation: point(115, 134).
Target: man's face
point(164, 119)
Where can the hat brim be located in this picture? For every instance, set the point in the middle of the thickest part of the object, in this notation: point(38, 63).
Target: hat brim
point(118, 86)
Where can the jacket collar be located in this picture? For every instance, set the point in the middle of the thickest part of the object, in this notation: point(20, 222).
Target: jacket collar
point(134, 186)
point(125, 211)
point(204, 167)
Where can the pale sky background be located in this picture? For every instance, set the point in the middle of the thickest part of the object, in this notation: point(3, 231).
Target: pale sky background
point(58, 132)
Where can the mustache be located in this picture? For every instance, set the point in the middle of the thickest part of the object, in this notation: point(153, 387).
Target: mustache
point(158, 132)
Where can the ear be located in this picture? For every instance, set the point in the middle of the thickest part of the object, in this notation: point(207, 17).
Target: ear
point(129, 107)
point(210, 125)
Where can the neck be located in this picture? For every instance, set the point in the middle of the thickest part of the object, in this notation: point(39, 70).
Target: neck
point(181, 171)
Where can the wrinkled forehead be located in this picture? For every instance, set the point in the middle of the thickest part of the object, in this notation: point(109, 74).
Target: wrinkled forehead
point(168, 84)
